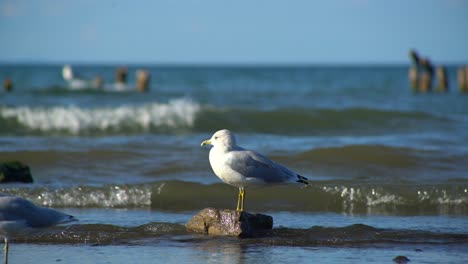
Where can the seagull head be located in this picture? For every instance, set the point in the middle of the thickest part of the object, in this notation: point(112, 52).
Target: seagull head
point(222, 138)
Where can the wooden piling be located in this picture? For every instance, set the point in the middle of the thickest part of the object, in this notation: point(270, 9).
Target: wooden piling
point(425, 78)
point(442, 79)
point(413, 71)
point(143, 78)
point(121, 75)
point(462, 76)
point(413, 78)
point(7, 85)
point(466, 79)
point(414, 57)
point(425, 82)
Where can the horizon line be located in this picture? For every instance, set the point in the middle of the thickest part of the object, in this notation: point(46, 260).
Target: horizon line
point(219, 64)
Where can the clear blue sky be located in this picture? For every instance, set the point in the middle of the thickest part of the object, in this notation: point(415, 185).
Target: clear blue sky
point(240, 31)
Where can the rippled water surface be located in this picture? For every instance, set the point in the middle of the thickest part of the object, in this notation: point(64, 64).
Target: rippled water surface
point(388, 168)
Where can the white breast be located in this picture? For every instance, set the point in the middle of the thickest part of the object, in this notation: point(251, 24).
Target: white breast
point(225, 173)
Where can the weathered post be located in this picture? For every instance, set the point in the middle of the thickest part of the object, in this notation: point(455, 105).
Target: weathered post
point(414, 57)
point(466, 79)
point(413, 76)
point(413, 72)
point(463, 79)
point(425, 79)
point(442, 80)
point(7, 85)
point(121, 75)
point(143, 78)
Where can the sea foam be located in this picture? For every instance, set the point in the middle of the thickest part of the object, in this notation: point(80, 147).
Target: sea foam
point(73, 119)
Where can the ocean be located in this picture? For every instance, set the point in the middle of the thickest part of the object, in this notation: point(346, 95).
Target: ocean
point(388, 168)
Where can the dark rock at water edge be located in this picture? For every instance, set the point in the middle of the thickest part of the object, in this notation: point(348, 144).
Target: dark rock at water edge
point(401, 259)
point(227, 222)
point(15, 171)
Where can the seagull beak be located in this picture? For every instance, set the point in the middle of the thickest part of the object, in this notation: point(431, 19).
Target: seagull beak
point(206, 142)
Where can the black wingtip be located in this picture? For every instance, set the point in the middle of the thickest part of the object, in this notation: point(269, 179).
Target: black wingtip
point(70, 218)
point(302, 179)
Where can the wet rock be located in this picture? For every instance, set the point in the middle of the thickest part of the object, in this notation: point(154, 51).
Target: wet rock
point(15, 171)
point(227, 222)
point(401, 259)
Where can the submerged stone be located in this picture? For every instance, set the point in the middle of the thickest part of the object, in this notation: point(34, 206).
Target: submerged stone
point(401, 259)
point(227, 222)
point(15, 171)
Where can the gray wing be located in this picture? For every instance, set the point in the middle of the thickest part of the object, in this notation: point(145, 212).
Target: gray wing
point(256, 166)
point(18, 209)
point(14, 208)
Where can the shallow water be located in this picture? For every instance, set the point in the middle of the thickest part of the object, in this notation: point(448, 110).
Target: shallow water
point(388, 168)
point(208, 253)
point(117, 236)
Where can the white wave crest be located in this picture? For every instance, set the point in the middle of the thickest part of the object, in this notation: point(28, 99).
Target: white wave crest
point(112, 196)
point(176, 113)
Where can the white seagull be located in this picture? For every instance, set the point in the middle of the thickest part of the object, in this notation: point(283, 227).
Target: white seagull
point(243, 168)
point(18, 215)
point(73, 82)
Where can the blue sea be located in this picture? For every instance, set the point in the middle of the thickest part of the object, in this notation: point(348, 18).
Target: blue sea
point(388, 168)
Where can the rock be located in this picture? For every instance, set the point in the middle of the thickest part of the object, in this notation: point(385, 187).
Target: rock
point(15, 171)
point(401, 259)
point(227, 222)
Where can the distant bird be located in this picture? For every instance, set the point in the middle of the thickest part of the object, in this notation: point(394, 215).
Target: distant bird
point(243, 168)
point(19, 216)
point(73, 82)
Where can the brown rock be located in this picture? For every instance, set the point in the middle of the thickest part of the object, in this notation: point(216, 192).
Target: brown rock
point(401, 259)
point(227, 222)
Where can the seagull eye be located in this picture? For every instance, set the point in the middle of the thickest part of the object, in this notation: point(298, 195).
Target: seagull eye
point(216, 138)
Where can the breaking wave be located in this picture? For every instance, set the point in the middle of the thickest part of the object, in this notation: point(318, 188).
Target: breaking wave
point(178, 113)
point(110, 196)
point(321, 196)
point(187, 114)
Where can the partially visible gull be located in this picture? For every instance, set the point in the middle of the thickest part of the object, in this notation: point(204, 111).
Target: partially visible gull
point(19, 216)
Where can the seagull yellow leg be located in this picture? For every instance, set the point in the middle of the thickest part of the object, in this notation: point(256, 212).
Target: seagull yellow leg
point(5, 249)
point(240, 200)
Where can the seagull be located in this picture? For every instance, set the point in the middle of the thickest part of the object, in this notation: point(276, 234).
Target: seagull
point(18, 215)
point(75, 83)
point(244, 168)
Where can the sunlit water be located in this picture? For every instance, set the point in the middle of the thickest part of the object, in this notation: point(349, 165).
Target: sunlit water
point(387, 167)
